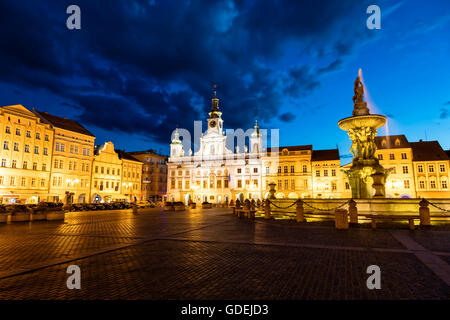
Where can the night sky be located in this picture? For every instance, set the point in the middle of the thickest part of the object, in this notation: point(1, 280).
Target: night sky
point(137, 69)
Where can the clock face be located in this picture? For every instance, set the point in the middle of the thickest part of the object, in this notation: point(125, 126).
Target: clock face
point(212, 124)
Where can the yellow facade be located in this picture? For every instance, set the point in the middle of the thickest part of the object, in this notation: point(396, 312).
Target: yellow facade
point(25, 156)
point(106, 175)
point(290, 169)
point(417, 169)
point(400, 181)
point(73, 153)
point(154, 174)
point(432, 179)
point(131, 179)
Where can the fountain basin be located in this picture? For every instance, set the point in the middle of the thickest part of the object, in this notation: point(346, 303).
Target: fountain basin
point(370, 120)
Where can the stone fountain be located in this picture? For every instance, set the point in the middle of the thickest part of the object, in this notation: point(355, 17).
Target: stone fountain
point(366, 176)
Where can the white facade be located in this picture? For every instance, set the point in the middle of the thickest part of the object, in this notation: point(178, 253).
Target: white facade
point(215, 173)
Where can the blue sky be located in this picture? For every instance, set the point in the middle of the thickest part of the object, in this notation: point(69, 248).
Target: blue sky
point(137, 69)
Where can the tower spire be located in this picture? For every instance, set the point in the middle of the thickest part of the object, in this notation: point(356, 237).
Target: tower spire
point(215, 111)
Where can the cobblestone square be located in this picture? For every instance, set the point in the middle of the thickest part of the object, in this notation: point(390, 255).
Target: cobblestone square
point(210, 254)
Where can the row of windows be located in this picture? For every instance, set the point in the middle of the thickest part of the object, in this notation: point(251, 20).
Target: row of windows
point(285, 185)
point(325, 173)
point(130, 174)
point(392, 156)
point(111, 185)
point(150, 170)
point(187, 172)
point(73, 165)
point(291, 169)
point(27, 134)
point(73, 149)
point(108, 170)
point(58, 182)
point(432, 184)
point(26, 149)
point(23, 181)
point(420, 168)
point(212, 185)
point(25, 165)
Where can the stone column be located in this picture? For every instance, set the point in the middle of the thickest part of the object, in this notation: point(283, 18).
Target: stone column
point(353, 212)
point(247, 208)
point(424, 213)
point(299, 209)
point(267, 214)
point(341, 219)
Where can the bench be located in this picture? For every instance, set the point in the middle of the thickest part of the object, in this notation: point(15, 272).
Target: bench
point(374, 218)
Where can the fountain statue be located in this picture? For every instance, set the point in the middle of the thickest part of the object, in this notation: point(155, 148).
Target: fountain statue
point(366, 176)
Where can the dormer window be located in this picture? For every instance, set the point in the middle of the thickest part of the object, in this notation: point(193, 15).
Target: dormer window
point(397, 142)
point(383, 143)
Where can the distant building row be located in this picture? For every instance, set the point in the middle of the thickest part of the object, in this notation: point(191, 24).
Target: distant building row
point(217, 174)
point(48, 158)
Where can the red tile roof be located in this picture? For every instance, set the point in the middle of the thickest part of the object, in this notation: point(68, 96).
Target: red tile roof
point(391, 142)
point(327, 154)
point(428, 151)
point(62, 123)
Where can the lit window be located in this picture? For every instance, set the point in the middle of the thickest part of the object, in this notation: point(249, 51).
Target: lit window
point(406, 184)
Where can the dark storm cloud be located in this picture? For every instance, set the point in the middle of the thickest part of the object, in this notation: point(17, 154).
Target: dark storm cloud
point(144, 67)
point(287, 117)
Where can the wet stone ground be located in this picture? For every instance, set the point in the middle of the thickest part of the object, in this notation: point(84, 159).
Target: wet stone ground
point(210, 254)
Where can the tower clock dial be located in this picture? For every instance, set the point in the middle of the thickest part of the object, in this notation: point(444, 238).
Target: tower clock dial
point(212, 124)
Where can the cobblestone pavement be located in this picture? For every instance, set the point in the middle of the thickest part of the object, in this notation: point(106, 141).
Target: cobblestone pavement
point(209, 254)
